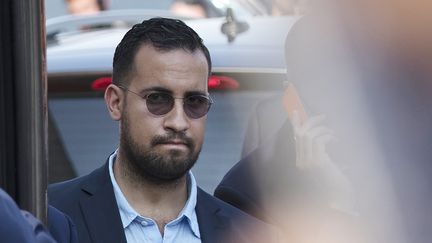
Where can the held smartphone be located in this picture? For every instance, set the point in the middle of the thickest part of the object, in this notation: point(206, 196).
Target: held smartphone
point(292, 102)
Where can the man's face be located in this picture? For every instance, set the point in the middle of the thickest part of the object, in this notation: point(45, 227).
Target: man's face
point(163, 148)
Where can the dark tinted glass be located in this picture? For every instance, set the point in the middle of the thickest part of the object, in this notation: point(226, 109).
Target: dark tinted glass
point(196, 106)
point(160, 103)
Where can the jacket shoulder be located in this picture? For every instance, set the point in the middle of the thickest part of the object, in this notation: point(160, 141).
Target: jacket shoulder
point(68, 196)
point(70, 188)
point(66, 189)
point(239, 187)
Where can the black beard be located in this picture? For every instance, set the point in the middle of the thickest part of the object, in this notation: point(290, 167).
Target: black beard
point(154, 167)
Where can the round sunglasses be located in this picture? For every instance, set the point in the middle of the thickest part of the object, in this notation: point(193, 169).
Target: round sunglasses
point(160, 103)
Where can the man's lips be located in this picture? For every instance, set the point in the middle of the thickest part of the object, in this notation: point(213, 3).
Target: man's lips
point(175, 143)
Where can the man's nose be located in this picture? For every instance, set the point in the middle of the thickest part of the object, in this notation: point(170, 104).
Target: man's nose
point(177, 119)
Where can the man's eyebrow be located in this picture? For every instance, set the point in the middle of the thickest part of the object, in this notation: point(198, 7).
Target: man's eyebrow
point(156, 88)
point(165, 90)
point(189, 93)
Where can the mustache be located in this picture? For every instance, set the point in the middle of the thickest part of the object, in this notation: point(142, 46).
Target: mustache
point(161, 139)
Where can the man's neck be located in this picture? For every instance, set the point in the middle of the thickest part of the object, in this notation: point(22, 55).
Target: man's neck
point(160, 202)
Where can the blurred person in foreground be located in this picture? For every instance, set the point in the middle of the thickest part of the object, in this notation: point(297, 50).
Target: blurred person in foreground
point(145, 191)
point(394, 45)
point(287, 176)
point(375, 90)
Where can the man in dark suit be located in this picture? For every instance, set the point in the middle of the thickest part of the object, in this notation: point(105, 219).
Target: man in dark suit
point(146, 192)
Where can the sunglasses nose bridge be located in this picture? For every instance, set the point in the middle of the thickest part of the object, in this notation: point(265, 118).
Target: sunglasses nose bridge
point(177, 119)
point(178, 106)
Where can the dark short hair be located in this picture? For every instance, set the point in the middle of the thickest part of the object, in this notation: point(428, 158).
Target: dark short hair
point(164, 34)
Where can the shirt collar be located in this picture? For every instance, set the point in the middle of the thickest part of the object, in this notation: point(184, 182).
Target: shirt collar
point(128, 214)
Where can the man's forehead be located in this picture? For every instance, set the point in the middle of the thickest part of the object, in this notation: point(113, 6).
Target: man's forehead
point(150, 49)
point(149, 58)
point(176, 82)
point(176, 71)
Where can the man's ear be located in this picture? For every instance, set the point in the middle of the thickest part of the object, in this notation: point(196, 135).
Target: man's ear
point(114, 100)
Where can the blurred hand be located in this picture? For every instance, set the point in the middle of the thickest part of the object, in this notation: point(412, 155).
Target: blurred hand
point(311, 139)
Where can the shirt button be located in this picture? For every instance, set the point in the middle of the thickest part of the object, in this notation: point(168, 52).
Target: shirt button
point(143, 223)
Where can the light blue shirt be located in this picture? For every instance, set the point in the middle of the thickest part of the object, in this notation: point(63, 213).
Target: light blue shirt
point(142, 229)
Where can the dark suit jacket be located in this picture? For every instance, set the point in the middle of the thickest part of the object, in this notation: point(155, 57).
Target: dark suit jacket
point(264, 123)
point(61, 227)
point(269, 172)
point(90, 202)
point(264, 173)
point(21, 226)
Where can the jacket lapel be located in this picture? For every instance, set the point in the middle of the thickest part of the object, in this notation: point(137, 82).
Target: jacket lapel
point(100, 208)
point(100, 211)
point(212, 223)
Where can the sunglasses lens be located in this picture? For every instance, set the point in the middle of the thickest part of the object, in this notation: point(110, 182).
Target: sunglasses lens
point(159, 103)
point(196, 106)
